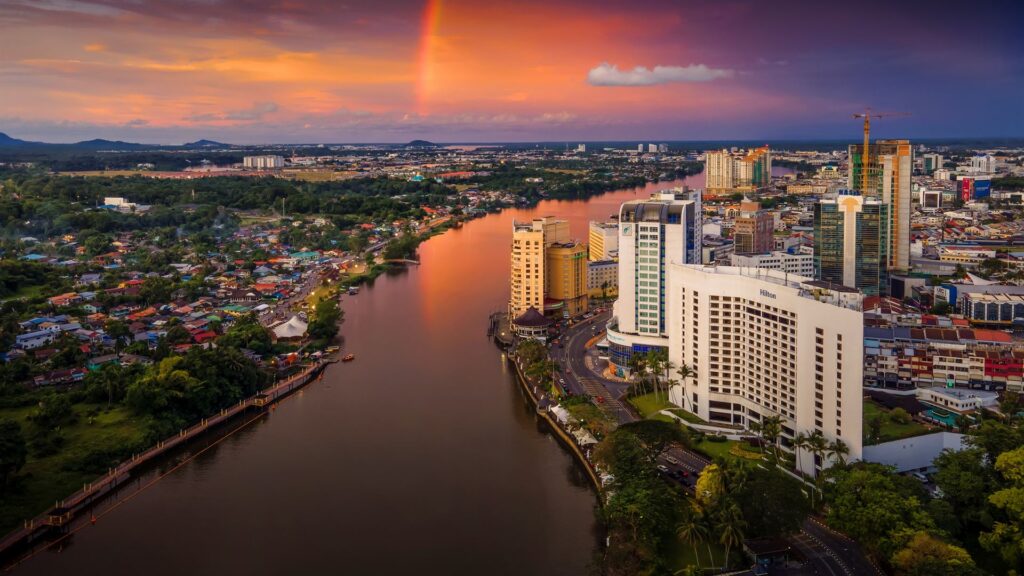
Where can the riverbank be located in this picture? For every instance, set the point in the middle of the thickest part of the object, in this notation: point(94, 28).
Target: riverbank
point(563, 435)
point(59, 520)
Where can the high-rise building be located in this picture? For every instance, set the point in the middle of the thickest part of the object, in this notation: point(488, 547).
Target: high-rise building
point(753, 229)
point(567, 278)
point(932, 162)
point(726, 171)
point(889, 169)
point(529, 261)
point(718, 170)
point(759, 161)
point(983, 164)
point(604, 241)
point(652, 234)
point(851, 242)
point(263, 162)
point(764, 344)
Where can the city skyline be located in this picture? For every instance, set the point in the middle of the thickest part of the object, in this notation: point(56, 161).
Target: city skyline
point(454, 71)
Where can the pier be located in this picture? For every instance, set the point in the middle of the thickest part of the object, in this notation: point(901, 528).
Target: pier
point(64, 511)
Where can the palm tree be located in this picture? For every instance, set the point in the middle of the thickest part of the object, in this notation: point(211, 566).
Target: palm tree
point(818, 445)
point(771, 430)
point(838, 450)
point(799, 443)
point(693, 531)
point(730, 529)
point(685, 373)
point(637, 364)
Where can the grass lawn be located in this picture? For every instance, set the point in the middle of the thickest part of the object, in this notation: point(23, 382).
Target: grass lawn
point(648, 406)
point(688, 416)
point(91, 444)
point(890, 429)
point(716, 449)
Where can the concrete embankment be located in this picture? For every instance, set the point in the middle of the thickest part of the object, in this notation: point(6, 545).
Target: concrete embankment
point(560, 433)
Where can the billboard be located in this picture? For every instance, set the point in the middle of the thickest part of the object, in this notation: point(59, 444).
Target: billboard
point(982, 188)
point(966, 189)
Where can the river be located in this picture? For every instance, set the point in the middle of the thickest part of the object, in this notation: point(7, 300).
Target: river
point(419, 456)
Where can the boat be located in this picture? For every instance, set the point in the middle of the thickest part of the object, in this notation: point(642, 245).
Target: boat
point(348, 358)
point(332, 349)
point(353, 291)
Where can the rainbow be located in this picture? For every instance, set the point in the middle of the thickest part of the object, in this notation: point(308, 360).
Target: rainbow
point(428, 34)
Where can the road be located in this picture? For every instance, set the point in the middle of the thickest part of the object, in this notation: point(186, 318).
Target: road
point(828, 553)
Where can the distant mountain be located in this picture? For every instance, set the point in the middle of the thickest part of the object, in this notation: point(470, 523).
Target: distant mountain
point(421, 144)
point(205, 144)
point(101, 144)
point(8, 142)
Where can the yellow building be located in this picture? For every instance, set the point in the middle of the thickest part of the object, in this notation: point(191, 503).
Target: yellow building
point(567, 277)
point(604, 241)
point(529, 261)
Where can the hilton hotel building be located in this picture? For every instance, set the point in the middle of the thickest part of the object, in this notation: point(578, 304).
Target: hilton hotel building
point(766, 343)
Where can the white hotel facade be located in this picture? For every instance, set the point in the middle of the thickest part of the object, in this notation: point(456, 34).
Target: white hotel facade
point(653, 233)
point(765, 343)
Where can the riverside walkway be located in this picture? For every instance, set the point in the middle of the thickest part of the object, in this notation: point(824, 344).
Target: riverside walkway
point(65, 510)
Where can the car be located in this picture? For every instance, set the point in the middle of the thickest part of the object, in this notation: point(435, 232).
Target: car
point(561, 381)
point(600, 399)
point(672, 460)
point(662, 468)
point(921, 477)
point(684, 473)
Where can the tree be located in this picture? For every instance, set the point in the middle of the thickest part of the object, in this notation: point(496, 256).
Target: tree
point(872, 506)
point(120, 332)
point(54, 410)
point(685, 373)
point(657, 435)
point(1007, 535)
point(965, 481)
point(875, 428)
point(772, 502)
point(771, 431)
point(926, 555)
point(837, 451)
point(13, 451)
point(730, 526)
point(693, 531)
point(899, 416)
point(995, 437)
point(799, 444)
point(327, 319)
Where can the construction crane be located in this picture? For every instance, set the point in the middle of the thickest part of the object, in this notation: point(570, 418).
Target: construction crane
point(867, 115)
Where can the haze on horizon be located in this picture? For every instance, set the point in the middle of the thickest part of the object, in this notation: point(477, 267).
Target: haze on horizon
point(242, 71)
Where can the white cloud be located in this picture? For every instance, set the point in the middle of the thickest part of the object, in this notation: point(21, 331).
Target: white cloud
point(606, 74)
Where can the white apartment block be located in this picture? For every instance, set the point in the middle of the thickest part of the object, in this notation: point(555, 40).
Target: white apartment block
point(763, 343)
point(269, 162)
point(799, 264)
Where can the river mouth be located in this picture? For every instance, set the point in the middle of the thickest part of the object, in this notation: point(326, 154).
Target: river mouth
point(420, 455)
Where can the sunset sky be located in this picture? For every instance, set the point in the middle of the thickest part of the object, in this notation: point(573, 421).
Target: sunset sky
point(257, 71)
